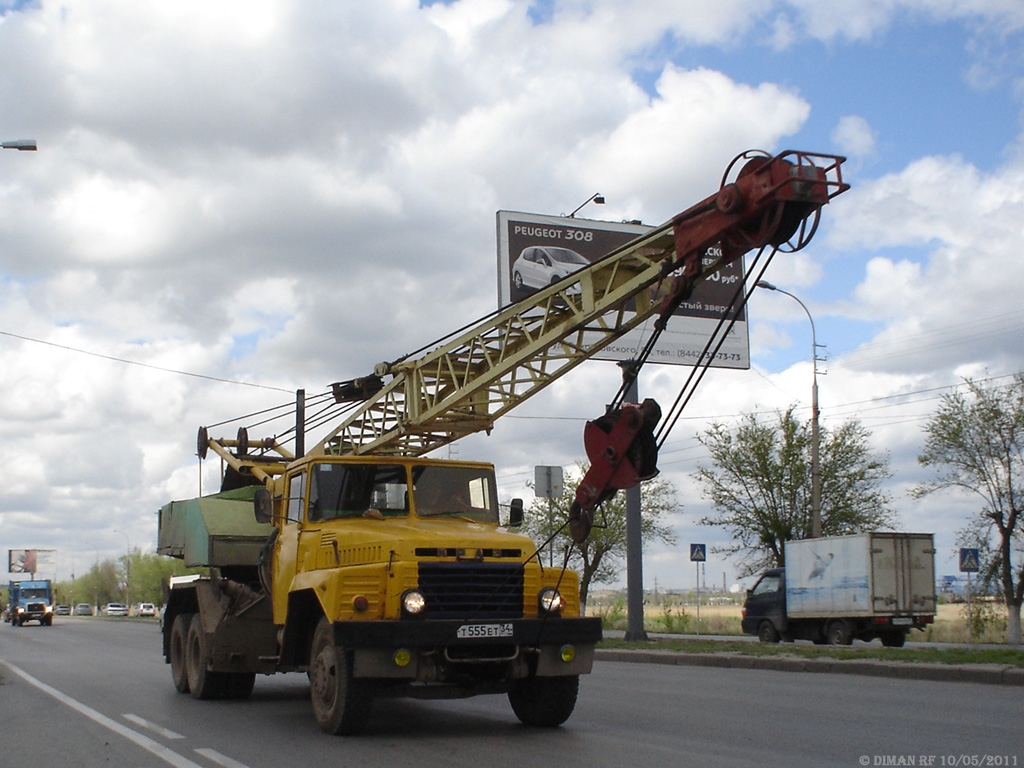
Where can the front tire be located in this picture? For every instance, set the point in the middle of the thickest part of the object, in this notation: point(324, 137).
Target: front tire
point(767, 633)
point(545, 702)
point(341, 704)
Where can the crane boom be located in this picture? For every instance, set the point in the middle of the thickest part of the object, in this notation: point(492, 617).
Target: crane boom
point(472, 378)
point(465, 384)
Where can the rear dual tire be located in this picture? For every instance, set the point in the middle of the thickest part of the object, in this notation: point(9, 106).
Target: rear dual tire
point(190, 661)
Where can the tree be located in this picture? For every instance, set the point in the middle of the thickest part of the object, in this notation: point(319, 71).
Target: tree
point(599, 559)
point(760, 486)
point(975, 441)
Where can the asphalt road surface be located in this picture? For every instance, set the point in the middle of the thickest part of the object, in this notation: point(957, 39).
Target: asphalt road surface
point(95, 692)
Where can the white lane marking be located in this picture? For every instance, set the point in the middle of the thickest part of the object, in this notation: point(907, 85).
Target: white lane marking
point(219, 759)
point(159, 729)
point(167, 755)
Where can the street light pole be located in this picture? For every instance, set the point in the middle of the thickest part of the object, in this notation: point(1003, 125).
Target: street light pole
point(815, 434)
point(127, 572)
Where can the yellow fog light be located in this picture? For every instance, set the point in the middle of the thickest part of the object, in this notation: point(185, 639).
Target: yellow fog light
point(402, 657)
point(567, 653)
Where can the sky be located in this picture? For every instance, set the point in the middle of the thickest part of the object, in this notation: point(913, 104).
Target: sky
point(234, 200)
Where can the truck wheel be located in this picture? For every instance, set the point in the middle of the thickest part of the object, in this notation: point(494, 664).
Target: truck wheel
point(894, 639)
point(838, 633)
point(202, 683)
point(177, 645)
point(341, 704)
point(767, 633)
point(239, 685)
point(544, 701)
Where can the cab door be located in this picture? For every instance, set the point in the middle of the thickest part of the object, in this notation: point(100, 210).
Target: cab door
point(767, 600)
point(287, 544)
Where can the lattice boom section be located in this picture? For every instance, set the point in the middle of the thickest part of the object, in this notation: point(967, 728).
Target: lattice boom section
point(465, 386)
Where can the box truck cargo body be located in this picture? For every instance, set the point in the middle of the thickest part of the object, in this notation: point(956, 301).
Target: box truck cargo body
point(839, 588)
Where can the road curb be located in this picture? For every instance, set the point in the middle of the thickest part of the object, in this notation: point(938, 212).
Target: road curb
point(993, 674)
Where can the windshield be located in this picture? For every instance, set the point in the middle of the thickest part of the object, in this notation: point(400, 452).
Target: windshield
point(465, 493)
point(566, 256)
point(38, 592)
point(357, 490)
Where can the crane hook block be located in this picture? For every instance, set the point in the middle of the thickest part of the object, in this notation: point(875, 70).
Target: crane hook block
point(622, 452)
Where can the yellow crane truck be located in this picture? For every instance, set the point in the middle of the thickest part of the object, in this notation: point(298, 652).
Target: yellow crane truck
point(379, 571)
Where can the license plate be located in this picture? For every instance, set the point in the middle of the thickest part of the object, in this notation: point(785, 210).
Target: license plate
point(471, 631)
point(902, 621)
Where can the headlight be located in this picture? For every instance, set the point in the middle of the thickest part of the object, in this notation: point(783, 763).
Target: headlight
point(413, 602)
point(550, 600)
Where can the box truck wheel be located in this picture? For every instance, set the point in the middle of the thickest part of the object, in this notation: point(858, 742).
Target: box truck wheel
point(894, 639)
point(341, 704)
point(838, 633)
point(176, 644)
point(767, 633)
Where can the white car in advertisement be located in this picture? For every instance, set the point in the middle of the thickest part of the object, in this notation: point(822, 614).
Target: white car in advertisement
point(538, 266)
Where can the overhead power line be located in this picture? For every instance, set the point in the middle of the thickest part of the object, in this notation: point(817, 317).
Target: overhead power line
point(140, 365)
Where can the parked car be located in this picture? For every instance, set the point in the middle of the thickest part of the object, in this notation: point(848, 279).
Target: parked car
point(541, 265)
point(62, 610)
point(83, 609)
point(147, 609)
point(115, 609)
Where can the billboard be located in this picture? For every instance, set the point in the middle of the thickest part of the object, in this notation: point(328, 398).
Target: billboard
point(32, 561)
point(535, 250)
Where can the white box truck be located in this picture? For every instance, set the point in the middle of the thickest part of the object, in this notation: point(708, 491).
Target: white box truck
point(840, 588)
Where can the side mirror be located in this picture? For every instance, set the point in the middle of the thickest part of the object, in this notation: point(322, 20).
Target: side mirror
point(263, 506)
point(515, 513)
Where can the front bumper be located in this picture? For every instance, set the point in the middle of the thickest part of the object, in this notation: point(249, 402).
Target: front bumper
point(434, 651)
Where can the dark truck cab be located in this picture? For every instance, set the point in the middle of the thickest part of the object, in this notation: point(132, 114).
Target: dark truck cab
point(764, 613)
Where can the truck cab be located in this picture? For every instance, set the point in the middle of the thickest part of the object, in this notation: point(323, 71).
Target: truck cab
point(30, 601)
point(764, 612)
point(376, 576)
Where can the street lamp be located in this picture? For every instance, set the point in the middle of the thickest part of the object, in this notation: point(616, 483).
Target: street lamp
point(127, 571)
point(815, 435)
point(22, 145)
point(597, 198)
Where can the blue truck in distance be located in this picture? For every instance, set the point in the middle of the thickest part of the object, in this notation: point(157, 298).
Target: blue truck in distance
point(30, 601)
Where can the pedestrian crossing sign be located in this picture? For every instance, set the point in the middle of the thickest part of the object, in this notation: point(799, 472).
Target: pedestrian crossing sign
point(698, 553)
point(969, 559)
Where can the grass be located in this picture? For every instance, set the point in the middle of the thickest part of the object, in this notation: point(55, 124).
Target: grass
point(950, 622)
point(1012, 657)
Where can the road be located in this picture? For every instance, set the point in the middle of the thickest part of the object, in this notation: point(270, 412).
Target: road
point(97, 692)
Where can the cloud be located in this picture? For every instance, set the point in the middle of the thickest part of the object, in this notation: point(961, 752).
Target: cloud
point(854, 137)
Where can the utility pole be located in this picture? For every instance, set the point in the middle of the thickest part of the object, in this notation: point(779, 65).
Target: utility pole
point(634, 537)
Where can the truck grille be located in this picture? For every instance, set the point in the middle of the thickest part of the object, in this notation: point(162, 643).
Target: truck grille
point(472, 590)
point(36, 607)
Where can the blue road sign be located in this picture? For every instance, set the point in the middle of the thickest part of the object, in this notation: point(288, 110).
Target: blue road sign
point(969, 559)
point(698, 553)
